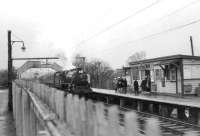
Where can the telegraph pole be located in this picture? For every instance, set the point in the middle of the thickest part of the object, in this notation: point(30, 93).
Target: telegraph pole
point(10, 70)
point(191, 43)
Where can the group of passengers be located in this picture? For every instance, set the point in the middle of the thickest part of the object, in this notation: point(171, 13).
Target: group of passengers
point(121, 85)
point(145, 85)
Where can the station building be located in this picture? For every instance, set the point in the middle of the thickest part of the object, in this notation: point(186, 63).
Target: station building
point(174, 75)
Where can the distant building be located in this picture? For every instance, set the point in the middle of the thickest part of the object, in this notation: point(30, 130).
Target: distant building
point(177, 74)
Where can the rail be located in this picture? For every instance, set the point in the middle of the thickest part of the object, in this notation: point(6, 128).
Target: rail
point(41, 110)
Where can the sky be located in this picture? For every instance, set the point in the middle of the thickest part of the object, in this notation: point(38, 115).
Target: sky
point(109, 30)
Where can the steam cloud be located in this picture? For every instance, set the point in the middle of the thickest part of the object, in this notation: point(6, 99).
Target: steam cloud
point(63, 58)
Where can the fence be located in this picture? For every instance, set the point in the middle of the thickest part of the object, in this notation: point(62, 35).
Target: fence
point(39, 110)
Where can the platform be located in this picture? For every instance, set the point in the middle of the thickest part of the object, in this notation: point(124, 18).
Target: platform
point(187, 101)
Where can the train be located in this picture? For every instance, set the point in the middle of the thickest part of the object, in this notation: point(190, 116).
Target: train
point(73, 80)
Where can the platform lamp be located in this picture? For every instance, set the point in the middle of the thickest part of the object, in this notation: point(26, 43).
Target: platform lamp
point(10, 66)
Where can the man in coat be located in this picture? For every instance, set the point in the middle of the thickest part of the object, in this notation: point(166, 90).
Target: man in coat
point(136, 87)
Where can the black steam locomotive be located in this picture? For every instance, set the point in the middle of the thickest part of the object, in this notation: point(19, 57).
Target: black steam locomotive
point(74, 80)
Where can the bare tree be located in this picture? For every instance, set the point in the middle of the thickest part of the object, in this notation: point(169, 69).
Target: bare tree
point(101, 74)
point(137, 56)
point(4, 77)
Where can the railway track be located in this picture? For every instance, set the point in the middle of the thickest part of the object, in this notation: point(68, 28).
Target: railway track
point(169, 127)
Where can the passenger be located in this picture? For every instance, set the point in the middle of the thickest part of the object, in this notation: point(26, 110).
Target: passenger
point(125, 85)
point(136, 87)
point(148, 84)
point(115, 85)
point(118, 86)
point(143, 85)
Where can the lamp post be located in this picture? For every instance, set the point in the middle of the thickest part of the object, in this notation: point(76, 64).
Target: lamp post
point(10, 68)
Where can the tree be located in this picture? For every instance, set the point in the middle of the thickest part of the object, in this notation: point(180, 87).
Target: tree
point(101, 74)
point(4, 77)
point(137, 56)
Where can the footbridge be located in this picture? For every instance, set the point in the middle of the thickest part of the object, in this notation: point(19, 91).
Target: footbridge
point(37, 64)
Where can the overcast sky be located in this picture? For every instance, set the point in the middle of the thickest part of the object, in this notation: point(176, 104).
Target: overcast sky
point(51, 27)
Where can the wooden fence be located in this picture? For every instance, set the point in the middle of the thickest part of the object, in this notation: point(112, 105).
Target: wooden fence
point(40, 109)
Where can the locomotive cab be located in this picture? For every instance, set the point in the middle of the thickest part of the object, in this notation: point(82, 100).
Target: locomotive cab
point(59, 80)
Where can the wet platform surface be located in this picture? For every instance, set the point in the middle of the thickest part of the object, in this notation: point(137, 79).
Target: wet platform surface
point(190, 101)
point(7, 127)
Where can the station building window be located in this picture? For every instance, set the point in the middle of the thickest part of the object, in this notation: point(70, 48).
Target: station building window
point(158, 74)
point(171, 74)
point(135, 74)
point(168, 74)
point(192, 71)
point(143, 74)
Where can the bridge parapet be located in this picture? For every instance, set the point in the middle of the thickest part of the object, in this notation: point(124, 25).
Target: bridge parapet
point(40, 109)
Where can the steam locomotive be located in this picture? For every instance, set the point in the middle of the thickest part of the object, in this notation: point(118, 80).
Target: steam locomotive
point(74, 81)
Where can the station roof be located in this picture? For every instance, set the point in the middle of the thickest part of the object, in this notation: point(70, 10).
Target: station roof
point(166, 58)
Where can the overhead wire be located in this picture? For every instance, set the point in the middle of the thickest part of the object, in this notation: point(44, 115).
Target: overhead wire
point(119, 22)
point(167, 30)
point(139, 11)
point(174, 12)
point(155, 34)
